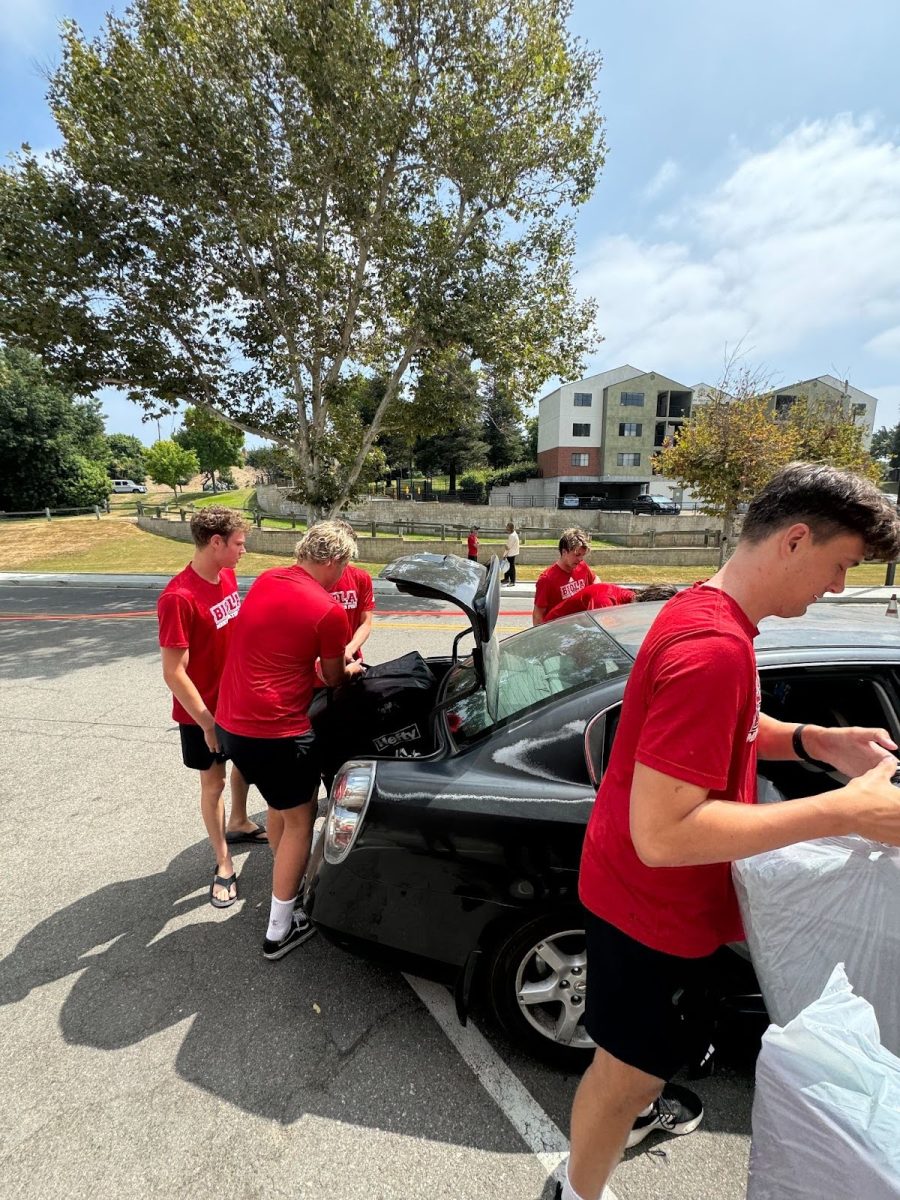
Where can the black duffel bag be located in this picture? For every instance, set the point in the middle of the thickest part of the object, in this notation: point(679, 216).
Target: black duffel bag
point(384, 713)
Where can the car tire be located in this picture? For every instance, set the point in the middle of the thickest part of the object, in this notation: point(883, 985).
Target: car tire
point(549, 1023)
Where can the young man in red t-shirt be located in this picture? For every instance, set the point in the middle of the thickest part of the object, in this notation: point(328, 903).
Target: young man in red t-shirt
point(353, 591)
point(568, 575)
point(609, 595)
point(472, 544)
point(677, 803)
point(196, 613)
point(288, 621)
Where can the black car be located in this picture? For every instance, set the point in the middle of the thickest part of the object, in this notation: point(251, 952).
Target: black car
point(654, 504)
point(462, 864)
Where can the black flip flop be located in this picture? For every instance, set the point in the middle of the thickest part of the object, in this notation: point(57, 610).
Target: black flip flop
point(225, 882)
point(256, 837)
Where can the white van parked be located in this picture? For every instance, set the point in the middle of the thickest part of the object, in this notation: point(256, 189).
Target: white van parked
point(127, 485)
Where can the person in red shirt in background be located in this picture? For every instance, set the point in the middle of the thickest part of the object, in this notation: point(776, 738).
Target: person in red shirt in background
point(288, 621)
point(353, 591)
point(609, 595)
point(677, 803)
point(472, 544)
point(196, 611)
point(566, 577)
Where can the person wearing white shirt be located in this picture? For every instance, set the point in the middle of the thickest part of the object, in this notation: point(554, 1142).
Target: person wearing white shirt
point(511, 553)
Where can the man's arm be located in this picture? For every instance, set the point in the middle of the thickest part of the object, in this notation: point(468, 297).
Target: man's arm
point(537, 615)
point(336, 671)
point(852, 750)
point(183, 688)
point(674, 824)
point(360, 637)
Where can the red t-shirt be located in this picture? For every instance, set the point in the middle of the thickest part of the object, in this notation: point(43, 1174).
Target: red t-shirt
point(691, 710)
point(196, 616)
point(555, 585)
point(472, 543)
point(288, 620)
point(353, 591)
point(596, 595)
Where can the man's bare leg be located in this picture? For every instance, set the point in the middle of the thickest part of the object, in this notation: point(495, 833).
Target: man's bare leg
point(609, 1100)
point(291, 849)
point(238, 821)
point(212, 809)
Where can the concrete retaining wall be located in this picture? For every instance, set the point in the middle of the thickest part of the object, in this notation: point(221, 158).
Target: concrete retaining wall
point(381, 550)
point(490, 517)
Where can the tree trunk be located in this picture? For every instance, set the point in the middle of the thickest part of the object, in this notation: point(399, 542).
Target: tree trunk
point(726, 544)
point(451, 482)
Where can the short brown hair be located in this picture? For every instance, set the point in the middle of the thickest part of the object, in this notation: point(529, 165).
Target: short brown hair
point(831, 502)
point(327, 541)
point(207, 522)
point(573, 538)
point(656, 591)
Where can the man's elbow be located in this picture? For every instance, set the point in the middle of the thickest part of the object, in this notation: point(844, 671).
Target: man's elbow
point(654, 850)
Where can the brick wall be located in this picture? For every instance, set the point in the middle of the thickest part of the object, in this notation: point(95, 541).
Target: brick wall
point(558, 461)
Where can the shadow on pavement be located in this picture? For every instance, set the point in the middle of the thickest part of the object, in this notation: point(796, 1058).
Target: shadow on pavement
point(31, 650)
point(319, 1032)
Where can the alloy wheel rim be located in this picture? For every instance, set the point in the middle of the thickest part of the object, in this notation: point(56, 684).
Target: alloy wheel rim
point(551, 985)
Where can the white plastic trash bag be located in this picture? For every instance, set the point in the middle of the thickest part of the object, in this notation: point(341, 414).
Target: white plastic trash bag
point(826, 1113)
point(810, 906)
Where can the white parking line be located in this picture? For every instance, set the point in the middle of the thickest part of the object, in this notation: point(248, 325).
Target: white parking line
point(531, 1123)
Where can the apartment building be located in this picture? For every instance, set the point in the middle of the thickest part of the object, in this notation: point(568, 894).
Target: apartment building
point(598, 435)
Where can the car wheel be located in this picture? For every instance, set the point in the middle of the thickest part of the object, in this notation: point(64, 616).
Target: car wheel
point(537, 987)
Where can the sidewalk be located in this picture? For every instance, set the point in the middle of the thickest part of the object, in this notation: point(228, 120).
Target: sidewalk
point(873, 594)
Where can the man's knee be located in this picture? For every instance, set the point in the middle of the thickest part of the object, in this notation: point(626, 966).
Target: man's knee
point(624, 1086)
point(212, 781)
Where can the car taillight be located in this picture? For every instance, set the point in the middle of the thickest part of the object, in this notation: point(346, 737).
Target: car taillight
point(347, 804)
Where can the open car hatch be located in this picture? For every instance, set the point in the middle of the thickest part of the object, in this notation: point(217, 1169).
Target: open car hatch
point(470, 586)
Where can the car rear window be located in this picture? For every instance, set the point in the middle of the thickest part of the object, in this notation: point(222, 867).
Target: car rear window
point(535, 667)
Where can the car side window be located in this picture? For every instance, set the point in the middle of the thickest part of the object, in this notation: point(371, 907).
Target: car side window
point(823, 696)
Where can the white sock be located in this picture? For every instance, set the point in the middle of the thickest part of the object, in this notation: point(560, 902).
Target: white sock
point(645, 1112)
point(568, 1192)
point(280, 914)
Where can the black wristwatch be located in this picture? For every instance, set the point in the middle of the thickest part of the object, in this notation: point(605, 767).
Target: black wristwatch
point(800, 751)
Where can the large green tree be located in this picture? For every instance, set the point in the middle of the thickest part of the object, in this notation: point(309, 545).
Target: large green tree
point(170, 464)
point(126, 457)
point(44, 432)
point(885, 448)
point(216, 444)
point(254, 197)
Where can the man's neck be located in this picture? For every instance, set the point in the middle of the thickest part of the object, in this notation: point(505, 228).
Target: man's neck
point(205, 565)
point(747, 579)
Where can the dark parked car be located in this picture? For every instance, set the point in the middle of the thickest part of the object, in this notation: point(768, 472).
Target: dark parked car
point(654, 504)
point(462, 864)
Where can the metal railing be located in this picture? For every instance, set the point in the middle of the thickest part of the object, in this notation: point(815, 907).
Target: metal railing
point(50, 513)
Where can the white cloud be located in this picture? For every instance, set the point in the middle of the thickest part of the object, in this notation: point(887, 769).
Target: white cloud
point(664, 178)
point(798, 240)
point(886, 343)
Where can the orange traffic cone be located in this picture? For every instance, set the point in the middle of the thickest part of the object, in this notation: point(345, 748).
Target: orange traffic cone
point(892, 606)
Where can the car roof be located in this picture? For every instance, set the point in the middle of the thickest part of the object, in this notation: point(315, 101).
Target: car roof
point(826, 626)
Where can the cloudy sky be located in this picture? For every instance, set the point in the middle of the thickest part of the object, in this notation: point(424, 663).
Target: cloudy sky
point(751, 195)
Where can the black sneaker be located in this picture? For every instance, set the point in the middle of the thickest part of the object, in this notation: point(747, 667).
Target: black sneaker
point(300, 931)
point(676, 1111)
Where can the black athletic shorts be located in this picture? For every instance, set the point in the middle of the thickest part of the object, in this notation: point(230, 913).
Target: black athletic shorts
point(194, 751)
point(285, 770)
point(646, 1008)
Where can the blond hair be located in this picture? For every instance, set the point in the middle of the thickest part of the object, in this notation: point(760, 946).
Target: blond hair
point(326, 541)
point(207, 522)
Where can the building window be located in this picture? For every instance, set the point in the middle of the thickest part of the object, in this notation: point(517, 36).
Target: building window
point(583, 399)
point(628, 460)
point(630, 429)
point(784, 404)
point(581, 460)
point(857, 411)
point(581, 430)
point(632, 399)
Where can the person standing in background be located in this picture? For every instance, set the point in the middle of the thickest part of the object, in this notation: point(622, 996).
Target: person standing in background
point(472, 544)
point(196, 611)
point(511, 553)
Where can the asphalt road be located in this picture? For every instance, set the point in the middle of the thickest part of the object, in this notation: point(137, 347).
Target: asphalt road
point(148, 1047)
